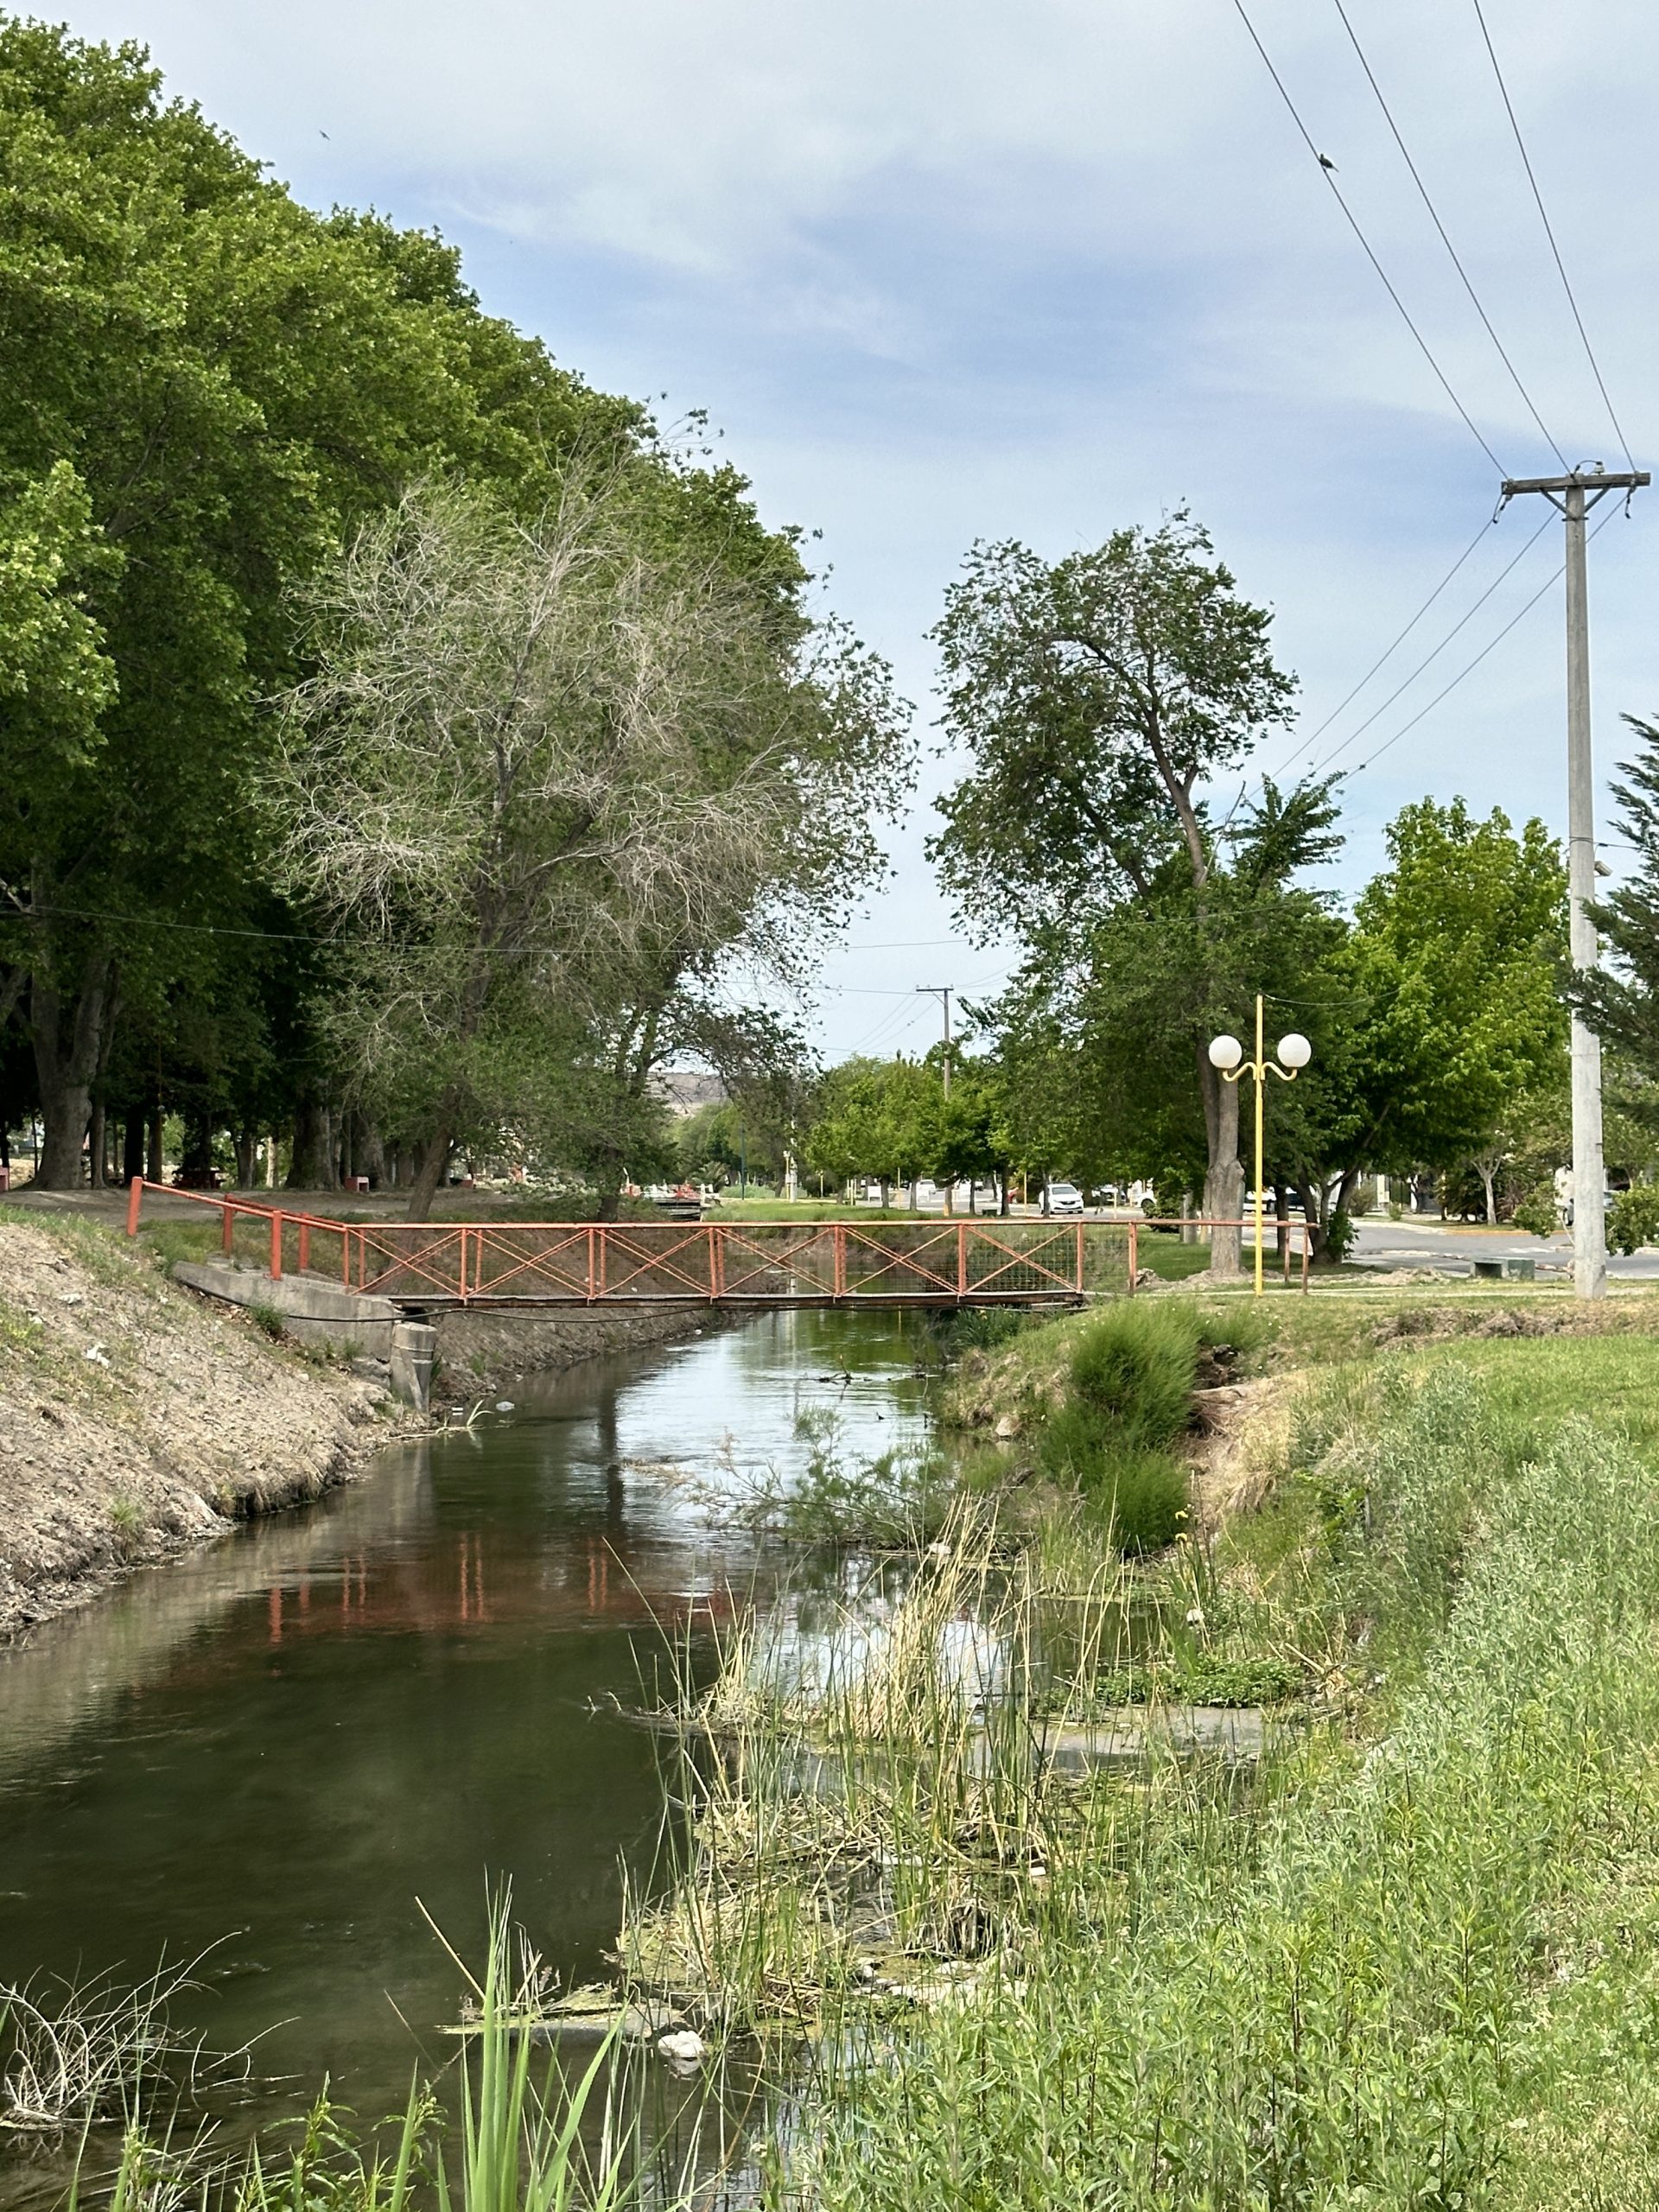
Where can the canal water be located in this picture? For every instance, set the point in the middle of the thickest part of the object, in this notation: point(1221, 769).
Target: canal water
point(269, 1757)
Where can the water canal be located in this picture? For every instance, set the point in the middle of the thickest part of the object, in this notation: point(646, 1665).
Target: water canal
point(271, 1755)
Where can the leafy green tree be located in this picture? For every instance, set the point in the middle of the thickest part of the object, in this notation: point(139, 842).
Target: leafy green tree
point(202, 386)
point(1620, 1000)
point(1458, 950)
point(1095, 695)
point(876, 1118)
point(1101, 1027)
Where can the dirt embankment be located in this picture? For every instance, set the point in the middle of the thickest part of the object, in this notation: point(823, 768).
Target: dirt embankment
point(137, 1419)
point(480, 1351)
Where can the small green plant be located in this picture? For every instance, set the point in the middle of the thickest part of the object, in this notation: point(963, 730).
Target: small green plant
point(127, 1519)
point(268, 1319)
point(1201, 1678)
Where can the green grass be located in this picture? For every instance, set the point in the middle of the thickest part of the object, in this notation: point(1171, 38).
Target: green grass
point(1416, 1967)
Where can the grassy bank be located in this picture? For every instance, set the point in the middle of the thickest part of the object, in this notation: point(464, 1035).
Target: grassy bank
point(1404, 1960)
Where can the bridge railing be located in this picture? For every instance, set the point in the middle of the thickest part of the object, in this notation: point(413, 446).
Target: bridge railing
point(982, 1260)
point(979, 1259)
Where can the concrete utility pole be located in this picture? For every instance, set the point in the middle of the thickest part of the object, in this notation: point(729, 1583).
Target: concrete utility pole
point(1574, 495)
point(941, 991)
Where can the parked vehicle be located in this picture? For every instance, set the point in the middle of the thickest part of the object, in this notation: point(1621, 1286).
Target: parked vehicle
point(1063, 1197)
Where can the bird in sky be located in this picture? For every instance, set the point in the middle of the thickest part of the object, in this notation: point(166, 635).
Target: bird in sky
point(1325, 163)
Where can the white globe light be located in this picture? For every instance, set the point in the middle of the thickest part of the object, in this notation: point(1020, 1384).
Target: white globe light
point(1294, 1050)
point(1226, 1053)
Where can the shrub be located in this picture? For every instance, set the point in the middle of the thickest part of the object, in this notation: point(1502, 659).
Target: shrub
point(1130, 1397)
point(1634, 1220)
point(1135, 1367)
point(1140, 1497)
point(268, 1319)
point(1537, 1213)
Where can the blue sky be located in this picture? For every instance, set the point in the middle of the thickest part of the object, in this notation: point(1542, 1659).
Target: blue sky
point(941, 272)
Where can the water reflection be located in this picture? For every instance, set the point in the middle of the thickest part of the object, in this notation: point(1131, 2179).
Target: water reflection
point(268, 1753)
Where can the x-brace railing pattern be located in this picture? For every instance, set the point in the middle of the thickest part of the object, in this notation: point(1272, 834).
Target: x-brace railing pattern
point(925, 1262)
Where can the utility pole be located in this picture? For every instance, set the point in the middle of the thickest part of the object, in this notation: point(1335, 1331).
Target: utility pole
point(1572, 496)
point(942, 992)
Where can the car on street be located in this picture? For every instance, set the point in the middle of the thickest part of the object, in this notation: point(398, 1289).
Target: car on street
point(1063, 1197)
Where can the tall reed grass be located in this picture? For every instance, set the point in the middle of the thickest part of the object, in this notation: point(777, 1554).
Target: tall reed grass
point(518, 2132)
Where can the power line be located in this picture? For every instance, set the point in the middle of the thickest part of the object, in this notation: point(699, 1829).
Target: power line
point(1549, 232)
point(1365, 243)
point(1434, 217)
point(1548, 584)
point(1387, 654)
point(1429, 658)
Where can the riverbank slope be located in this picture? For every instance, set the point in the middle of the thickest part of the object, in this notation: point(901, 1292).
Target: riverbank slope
point(136, 1419)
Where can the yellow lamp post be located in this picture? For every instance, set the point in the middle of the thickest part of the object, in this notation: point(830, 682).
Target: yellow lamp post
point(1227, 1056)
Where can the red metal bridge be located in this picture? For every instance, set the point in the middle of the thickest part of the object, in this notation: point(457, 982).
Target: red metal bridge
point(979, 1260)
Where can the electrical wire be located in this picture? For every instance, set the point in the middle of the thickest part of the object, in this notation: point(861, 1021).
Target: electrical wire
point(1429, 658)
point(1353, 223)
point(1386, 655)
point(1548, 584)
point(1434, 217)
point(1549, 232)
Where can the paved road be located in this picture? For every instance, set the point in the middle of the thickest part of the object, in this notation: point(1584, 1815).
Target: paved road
point(1409, 1243)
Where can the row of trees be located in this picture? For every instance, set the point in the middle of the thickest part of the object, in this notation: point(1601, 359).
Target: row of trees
point(400, 734)
point(1098, 699)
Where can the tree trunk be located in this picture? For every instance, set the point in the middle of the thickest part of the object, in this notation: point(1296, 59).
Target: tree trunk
point(1223, 1181)
point(1320, 1206)
point(1281, 1217)
point(247, 1157)
point(312, 1167)
point(133, 1146)
point(1002, 1199)
point(154, 1131)
point(68, 1047)
point(1486, 1182)
point(96, 1139)
point(434, 1160)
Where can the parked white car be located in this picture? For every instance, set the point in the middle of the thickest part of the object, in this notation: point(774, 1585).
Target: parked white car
point(1063, 1197)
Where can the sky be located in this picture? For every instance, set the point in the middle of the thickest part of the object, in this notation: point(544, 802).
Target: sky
point(943, 273)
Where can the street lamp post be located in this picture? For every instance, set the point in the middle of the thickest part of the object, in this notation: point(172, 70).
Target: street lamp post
point(1227, 1056)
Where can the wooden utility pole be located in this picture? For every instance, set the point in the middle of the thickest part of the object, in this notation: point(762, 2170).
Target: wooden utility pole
point(1574, 495)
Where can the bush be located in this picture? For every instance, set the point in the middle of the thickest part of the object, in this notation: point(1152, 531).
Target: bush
point(1131, 1396)
point(1537, 1212)
point(1634, 1220)
point(269, 1319)
point(1136, 1368)
point(1139, 1497)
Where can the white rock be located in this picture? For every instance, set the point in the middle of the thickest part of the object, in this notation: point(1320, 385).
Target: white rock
point(682, 2047)
point(97, 1354)
point(1009, 1426)
point(504, 1405)
point(70, 1298)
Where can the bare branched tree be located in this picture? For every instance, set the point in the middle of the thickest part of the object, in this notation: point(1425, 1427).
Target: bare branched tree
point(544, 771)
